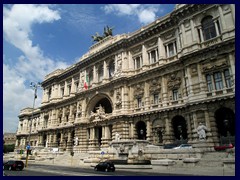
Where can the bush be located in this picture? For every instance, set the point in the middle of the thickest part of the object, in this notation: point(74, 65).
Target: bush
point(8, 148)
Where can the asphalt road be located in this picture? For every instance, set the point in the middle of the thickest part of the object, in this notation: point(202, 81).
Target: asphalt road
point(50, 170)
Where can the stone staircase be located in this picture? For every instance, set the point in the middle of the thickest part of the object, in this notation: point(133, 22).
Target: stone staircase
point(214, 159)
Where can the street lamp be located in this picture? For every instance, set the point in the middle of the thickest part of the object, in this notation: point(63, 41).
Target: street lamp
point(34, 86)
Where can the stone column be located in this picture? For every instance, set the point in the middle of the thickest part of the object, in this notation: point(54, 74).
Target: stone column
point(189, 79)
point(194, 33)
point(232, 7)
point(65, 89)
point(216, 27)
point(115, 62)
point(201, 34)
point(72, 90)
point(147, 96)
point(105, 71)
point(195, 125)
point(144, 56)
point(130, 61)
point(167, 50)
point(149, 130)
point(232, 69)
point(222, 20)
point(183, 35)
point(94, 74)
point(164, 92)
point(201, 82)
point(167, 135)
point(161, 50)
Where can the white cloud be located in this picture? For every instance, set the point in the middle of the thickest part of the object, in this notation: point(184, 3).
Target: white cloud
point(147, 16)
point(145, 13)
point(31, 66)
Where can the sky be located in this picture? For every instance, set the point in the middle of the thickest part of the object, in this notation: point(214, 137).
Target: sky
point(38, 39)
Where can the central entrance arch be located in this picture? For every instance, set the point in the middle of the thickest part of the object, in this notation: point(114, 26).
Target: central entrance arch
point(100, 100)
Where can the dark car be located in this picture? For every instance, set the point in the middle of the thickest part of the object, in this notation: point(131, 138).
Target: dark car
point(223, 147)
point(13, 165)
point(105, 166)
point(169, 146)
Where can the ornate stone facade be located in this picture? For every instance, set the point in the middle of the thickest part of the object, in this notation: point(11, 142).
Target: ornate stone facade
point(156, 84)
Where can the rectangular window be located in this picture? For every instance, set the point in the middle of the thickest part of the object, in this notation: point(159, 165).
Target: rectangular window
point(62, 92)
point(138, 62)
point(218, 80)
point(69, 89)
point(171, 49)
point(152, 56)
point(209, 82)
point(139, 102)
point(49, 94)
point(76, 87)
point(175, 94)
point(227, 78)
point(155, 98)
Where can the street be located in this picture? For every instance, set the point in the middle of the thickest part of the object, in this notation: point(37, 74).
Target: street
point(50, 170)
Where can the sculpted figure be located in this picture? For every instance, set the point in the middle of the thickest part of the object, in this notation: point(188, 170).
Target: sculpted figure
point(201, 130)
point(117, 136)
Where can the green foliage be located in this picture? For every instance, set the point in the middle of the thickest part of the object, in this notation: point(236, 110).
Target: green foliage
point(8, 148)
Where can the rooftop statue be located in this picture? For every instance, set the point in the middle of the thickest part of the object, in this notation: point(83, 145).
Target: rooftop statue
point(107, 32)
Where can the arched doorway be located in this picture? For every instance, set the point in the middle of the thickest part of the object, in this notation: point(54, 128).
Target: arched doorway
point(180, 128)
point(141, 130)
point(58, 139)
point(225, 120)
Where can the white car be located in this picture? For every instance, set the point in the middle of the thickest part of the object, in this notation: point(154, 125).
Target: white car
point(184, 146)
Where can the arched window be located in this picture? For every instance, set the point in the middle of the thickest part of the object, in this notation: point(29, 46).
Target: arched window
point(208, 28)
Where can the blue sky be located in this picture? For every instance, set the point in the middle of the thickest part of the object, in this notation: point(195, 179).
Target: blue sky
point(38, 39)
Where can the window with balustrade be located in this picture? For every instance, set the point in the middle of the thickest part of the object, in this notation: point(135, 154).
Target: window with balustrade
point(174, 94)
point(208, 28)
point(218, 80)
point(137, 62)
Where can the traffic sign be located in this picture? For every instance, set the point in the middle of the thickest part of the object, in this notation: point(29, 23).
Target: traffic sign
point(102, 153)
point(28, 147)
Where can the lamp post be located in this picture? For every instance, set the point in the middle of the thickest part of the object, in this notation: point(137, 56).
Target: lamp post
point(34, 86)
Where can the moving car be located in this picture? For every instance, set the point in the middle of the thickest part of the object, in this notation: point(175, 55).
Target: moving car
point(13, 165)
point(184, 146)
point(223, 147)
point(105, 166)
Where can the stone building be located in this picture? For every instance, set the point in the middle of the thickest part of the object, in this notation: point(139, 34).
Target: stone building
point(9, 138)
point(155, 84)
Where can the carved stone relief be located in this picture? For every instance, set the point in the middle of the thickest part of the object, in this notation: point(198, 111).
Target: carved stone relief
point(155, 86)
point(139, 91)
point(214, 65)
point(174, 82)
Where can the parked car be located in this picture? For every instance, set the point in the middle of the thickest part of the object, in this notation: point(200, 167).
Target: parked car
point(223, 147)
point(183, 146)
point(169, 146)
point(13, 165)
point(105, 166)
